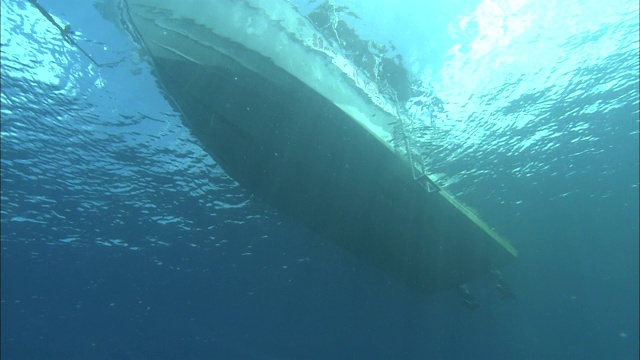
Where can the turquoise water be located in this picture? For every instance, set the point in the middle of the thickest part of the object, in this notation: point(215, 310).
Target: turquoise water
point(121, 238)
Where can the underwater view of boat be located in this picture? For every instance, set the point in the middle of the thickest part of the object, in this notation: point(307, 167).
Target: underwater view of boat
point(297, 124)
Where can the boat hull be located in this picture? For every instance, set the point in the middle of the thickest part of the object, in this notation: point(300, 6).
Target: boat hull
point(311, 158)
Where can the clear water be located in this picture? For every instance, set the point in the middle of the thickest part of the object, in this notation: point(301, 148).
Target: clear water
point(122, 239)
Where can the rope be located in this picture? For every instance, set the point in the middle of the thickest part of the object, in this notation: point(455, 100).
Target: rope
point(65, 32)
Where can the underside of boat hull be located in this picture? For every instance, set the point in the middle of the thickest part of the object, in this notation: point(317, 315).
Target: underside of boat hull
point(298, 152)
point(309, 155)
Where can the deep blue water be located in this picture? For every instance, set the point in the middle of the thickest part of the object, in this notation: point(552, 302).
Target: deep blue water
point(121, 238)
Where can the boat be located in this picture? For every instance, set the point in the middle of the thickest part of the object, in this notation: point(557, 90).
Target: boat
point(297, 124)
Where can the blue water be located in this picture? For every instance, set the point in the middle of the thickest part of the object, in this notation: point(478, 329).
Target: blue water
point(122, 239)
